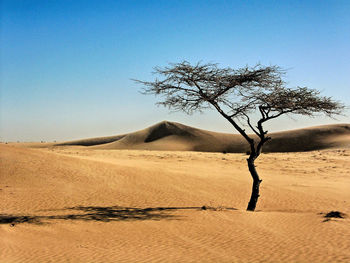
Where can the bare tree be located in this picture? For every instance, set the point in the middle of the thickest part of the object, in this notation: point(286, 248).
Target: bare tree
point(238, 95)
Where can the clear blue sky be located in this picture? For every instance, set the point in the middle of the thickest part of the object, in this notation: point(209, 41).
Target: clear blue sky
point(66, 65)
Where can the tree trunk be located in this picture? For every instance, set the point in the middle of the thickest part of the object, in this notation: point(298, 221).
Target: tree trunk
point(256, 184)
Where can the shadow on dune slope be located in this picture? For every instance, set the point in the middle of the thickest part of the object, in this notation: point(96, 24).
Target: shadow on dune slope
point(165, 129)
point(175, 136)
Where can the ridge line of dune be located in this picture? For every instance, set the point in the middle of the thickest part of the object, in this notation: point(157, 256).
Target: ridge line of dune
point(168, 135)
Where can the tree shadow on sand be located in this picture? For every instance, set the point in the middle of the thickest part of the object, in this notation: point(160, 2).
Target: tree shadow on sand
point(105, 214)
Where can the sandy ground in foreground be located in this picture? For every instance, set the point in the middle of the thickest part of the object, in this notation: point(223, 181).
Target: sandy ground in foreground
point(77, 205)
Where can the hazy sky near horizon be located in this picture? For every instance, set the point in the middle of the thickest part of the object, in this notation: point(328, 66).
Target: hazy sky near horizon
point(66, 66)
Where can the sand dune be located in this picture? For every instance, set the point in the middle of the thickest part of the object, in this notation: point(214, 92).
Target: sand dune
point(108, 200)
point(78, 204)
point(175, 136)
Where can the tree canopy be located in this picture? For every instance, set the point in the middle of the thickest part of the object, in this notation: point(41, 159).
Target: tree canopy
point(236, 95)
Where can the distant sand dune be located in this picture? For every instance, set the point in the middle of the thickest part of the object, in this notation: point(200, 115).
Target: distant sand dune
point(175, 136)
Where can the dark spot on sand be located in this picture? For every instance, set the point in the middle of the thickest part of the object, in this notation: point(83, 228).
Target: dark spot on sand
point(335, 214)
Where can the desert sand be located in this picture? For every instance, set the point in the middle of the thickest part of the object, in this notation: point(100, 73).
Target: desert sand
point(101, 203)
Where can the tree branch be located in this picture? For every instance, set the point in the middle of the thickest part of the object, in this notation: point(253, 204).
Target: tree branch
point(250, 125)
